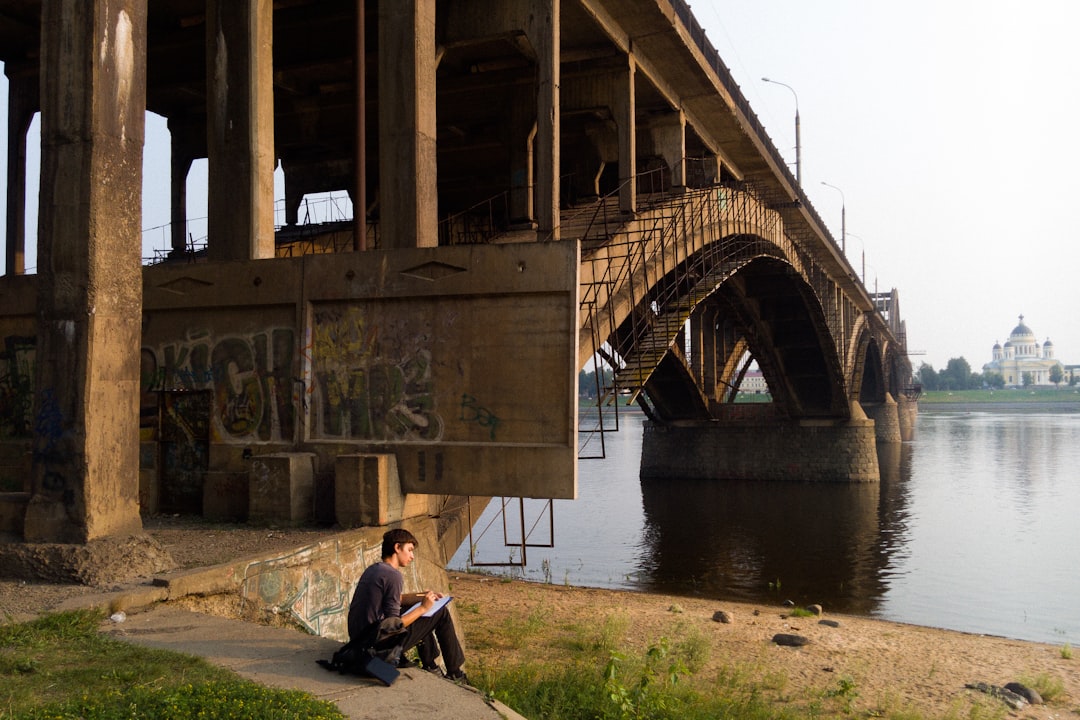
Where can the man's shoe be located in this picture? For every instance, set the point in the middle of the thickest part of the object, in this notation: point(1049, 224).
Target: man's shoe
point(458, 678)
point(434, 670)
point(405, 662)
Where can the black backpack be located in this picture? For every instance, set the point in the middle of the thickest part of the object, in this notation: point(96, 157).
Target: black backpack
point(375, 653)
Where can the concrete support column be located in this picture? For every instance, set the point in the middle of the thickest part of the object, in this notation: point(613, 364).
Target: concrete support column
point(703, 349)
point(625, 110)
point(669, 138)
point(240, 129)
point(179, 166)
point(86, 428)
point(543, 33)
point(407, 132)
point(22, 102)
point(522, 137)
point(908, 412)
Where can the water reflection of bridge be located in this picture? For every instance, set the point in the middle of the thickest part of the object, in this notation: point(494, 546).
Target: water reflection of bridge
point(756, 542)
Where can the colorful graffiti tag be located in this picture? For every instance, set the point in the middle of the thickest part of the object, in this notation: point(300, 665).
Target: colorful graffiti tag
point(370, 385)
point(251, 379)
point(17, 387)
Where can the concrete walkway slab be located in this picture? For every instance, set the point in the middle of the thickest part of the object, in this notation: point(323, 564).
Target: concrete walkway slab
point(284, 658)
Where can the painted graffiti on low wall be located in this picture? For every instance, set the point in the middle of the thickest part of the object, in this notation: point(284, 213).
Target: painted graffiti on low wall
point(369, 384)
point(17, 387)
point(313, 585)
point(251, 378)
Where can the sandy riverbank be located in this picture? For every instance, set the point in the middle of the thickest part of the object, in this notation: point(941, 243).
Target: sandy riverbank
point(890, 667)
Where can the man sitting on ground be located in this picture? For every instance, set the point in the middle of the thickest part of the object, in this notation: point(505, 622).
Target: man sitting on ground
point(378, 597)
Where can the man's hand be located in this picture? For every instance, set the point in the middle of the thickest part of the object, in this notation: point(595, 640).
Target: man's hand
point(428, 599)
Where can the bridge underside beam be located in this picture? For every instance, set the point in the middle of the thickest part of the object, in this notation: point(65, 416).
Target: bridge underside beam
point(762, 448)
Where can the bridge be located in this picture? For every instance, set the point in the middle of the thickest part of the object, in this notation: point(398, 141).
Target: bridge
point(538, 184)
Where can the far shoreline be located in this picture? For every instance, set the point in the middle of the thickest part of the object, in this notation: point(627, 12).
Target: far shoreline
point(1024, 406)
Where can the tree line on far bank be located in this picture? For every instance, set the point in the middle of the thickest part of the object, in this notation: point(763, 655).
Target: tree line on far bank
point(957, 375)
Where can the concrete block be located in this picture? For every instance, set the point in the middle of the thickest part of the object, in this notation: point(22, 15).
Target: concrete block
point(226, 496)
point(281, 488)
point(367, 491)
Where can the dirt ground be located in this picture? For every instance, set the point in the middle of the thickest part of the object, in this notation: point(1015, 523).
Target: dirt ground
point(864, 667)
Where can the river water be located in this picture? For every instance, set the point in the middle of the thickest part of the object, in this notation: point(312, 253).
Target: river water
point(975, 526)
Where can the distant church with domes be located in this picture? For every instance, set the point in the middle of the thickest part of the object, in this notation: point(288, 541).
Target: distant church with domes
point(1022, 354)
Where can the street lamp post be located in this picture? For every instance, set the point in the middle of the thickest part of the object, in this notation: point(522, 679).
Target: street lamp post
point(843, 216)
point(798, 141)
point(863, 243)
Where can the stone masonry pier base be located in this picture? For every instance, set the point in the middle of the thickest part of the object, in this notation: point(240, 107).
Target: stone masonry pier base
point(886, 419)
point(817, 451)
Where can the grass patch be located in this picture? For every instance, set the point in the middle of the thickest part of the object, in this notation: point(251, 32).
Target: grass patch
point(1064, 393)
point(1048, 687)
point(800, 612)
point(600, 671)
point(59, 666)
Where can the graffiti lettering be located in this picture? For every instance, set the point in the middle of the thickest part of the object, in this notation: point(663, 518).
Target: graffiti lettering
point(50, 451)
point(359, 393)
point(473, 413)
point(250, 377)
point(49, 425)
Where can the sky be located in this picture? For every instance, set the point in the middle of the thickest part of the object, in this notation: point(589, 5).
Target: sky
point(946, 129)
point(950, 128)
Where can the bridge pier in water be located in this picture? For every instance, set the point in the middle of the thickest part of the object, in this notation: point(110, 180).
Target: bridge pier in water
point(886, 417)
point(750, 444)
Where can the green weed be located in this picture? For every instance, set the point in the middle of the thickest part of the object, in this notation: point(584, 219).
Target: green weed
point(60, 666)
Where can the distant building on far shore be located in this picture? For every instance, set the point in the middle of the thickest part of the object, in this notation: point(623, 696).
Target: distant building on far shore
point(1022, 354)
point(754, 382)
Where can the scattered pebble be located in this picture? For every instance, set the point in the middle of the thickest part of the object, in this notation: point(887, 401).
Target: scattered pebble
point(675, 608)
point(814, 609)
point(723, 616)
point(829, 623)
point(789, 640)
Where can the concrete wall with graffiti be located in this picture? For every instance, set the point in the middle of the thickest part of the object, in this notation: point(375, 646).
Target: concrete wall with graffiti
point(460, 361)
point(313, 585)
point(17, 354)
point(250, 373)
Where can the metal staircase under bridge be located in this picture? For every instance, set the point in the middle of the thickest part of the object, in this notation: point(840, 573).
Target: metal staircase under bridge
point(642, 277)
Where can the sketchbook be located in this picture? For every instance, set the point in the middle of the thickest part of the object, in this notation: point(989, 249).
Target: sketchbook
point(439, 604)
